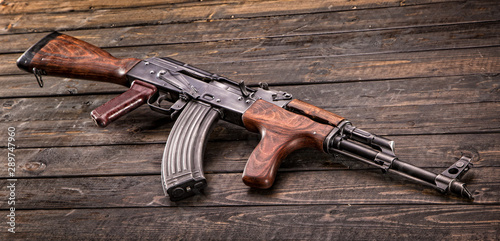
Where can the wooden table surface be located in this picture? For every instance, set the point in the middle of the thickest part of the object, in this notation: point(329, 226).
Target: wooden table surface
point(424, 73)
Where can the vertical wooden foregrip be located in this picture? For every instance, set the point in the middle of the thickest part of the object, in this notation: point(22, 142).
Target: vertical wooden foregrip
point(62, 55)
point(282, 132)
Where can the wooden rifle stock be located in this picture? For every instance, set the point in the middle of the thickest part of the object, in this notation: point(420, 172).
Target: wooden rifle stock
point(62, 55)
point(285, 124)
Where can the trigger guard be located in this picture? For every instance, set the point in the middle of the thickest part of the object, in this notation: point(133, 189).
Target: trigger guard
point(172, 111)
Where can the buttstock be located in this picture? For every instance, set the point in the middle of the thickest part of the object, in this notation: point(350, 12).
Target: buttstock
point(62, 55)
point(282, 132)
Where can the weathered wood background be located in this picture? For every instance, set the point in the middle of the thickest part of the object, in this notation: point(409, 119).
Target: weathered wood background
point(422, 72)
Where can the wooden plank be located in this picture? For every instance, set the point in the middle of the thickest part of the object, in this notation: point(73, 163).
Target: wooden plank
point(108, 18)
point(426, 75)
point(399, 92)
point(478, 14)
point(145, 128)
point(227, 189)
point(437, 151)
point(327, 69)
point(322, 222)
point(26, 86)
point(20, 85)
point(365, 67)
point(60, 6)
point(384, 107)
point(424, 91)
point(319, 45)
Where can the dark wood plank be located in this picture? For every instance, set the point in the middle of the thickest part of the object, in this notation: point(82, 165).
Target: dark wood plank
point(478, 13)
point(18, 23)
point(69, 115)
point(230, 157)
point(227, 189)
point(146, 128)
point(327, 69)
point(399, 92)
point(60, 6)
point(322, 222)
point(365, 67)
point(421, 72)
point(24, 85)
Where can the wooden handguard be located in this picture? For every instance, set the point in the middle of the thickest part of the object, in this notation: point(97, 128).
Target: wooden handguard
point(282, 132)
point(62, 55)
point(314, 112)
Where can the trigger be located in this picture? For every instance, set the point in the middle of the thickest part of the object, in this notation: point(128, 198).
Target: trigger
point(155, 103)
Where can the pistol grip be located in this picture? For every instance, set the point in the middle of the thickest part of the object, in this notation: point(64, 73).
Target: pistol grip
point(282, 132)
point(181, 167)
point(137, 95)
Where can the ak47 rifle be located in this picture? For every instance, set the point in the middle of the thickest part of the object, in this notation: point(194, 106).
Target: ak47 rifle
point(201, 98)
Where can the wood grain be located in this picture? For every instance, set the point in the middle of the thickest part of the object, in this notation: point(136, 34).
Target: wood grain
point(403, 21)
point(226, 189)
point(328, 69)
point(314, 112)
point(323, 222)
point(137, 95)
point(421, 72)
point(143, 126)
point(282, 132)
point(162, 14)
point(65, 56)
point(230, 156)
point(416, 91)
point(60, 6)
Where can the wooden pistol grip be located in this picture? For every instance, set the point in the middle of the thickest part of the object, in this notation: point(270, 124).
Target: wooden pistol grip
point(282, 132)
point(137, 95)
point(62, 55)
